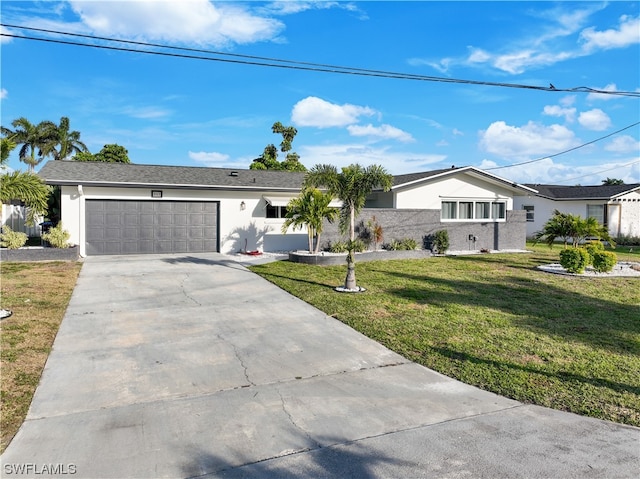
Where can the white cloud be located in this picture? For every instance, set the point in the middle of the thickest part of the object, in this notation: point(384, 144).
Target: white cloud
point(345, 154)
point(209, 158)
point(4, 39)
point(603, 96)
point(626, 34)
point(531, 139)
point(569, 114)
point(595, 119)
point(623, 144)
point(195, 22)
point(3, 93)
point(386, 132)
point(316, 112)
point(146, 113)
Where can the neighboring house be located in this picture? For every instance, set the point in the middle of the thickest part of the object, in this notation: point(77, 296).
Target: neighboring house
point(112, 208)
point(616, 206)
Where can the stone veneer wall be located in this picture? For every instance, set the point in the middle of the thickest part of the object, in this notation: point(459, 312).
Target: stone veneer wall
point(420, 225)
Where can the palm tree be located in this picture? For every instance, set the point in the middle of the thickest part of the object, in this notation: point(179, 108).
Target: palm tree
point(32, 138)
point(62, 143)
point(27, 187)
point(351, 186)
point(310, 209)
point(572, 228)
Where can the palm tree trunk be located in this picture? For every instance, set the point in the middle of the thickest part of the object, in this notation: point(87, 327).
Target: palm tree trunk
point(350, 280)
point(310, 233)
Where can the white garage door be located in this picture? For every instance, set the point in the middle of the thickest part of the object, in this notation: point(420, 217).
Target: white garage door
point(135, 227)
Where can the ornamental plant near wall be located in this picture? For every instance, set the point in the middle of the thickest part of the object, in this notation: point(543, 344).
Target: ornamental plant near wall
point(57, 237)
point(12, 239)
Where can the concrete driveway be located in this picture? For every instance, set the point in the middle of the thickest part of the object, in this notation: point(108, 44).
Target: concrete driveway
point(191, 366)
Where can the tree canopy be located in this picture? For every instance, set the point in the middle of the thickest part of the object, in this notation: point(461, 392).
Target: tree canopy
point(612, 181)
point(352, 185)
point(111, 153)
point(572, 228)
point(310, 209)
point(269, 158)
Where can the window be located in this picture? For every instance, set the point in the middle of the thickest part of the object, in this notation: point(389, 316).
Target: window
point(276, 211)
point(529, 210)
point(473, 210)
point(483, 210)
point(498, 210)
point(449, 209)
point(597, 212)
point(465, 210)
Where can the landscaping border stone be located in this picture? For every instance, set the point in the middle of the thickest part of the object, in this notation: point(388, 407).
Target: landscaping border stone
point(331, 259)
point(40, 253)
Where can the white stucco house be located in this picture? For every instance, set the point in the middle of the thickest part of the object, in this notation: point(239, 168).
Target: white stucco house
point(113, 208)
point(616, 206)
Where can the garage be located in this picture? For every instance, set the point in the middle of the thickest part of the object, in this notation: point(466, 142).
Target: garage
point(151, 226)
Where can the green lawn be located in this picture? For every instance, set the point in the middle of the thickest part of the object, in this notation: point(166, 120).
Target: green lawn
point(496, 322)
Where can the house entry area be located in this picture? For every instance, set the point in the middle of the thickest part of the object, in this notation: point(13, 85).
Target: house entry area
point(139, 227)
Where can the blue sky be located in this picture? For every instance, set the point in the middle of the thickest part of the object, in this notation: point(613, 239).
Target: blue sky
point(176, 111)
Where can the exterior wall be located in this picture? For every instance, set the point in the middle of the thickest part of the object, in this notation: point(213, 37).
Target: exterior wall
point(430, 195)
point(238, 228)
point(420, 224)
point(628, 214)
point(623, 217)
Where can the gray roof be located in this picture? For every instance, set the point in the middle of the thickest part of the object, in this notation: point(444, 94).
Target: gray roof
point(602, 192)
point(121, 174)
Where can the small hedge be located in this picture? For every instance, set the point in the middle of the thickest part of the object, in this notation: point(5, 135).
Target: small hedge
point(406, 244)
point(12, 239)
point(604, 261)
point(574, 260)
point(57, 237)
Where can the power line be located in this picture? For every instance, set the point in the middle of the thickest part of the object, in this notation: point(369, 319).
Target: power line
point(565, 151)
point(631, 163)
point(280, 63)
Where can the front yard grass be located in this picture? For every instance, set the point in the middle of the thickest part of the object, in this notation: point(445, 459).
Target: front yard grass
point(496, 322)
point(38, 294)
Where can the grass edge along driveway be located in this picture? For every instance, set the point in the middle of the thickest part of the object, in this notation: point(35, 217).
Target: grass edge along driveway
point(496, 322)
point(38, 294)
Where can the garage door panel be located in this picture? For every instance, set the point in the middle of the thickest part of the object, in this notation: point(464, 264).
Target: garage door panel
point(131, 227)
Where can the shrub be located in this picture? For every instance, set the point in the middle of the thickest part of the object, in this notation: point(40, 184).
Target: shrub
point(408, 244)
point(392, 245)
point(12, 239)
point(358, 245)
point(57, 237)
point(626, 240)
point(574, 260)
point(592, 248)
point(441, 241)
point(604, 261)
point(337, 247)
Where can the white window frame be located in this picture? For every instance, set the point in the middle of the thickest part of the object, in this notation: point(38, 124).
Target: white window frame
point(601, 217)
point(463, 206)
point(531, 212)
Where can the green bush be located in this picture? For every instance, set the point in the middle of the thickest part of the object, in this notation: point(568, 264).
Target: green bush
point(57, 237)
point(441, 241)
point(592, 248)
point(574, 260)
point(358, 245)
point(408, 244)
point(12, 239)
point(604, 261)
point(392, 245)
point(627, 240)
point(337, 247)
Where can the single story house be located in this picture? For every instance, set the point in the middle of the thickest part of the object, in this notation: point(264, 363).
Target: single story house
point(114, 208)
point(615, 206)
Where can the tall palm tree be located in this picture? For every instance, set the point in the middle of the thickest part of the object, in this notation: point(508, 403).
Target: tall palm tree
point(62, 143)
point(352, 186)
point(32, 138)
point(28, 187)
point(310, 209)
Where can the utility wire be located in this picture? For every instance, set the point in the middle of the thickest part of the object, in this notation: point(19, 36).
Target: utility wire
point(601, 171)
point(565, 151)
point(281, 63)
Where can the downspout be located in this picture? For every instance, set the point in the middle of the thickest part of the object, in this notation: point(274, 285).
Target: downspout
point(81, 224)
